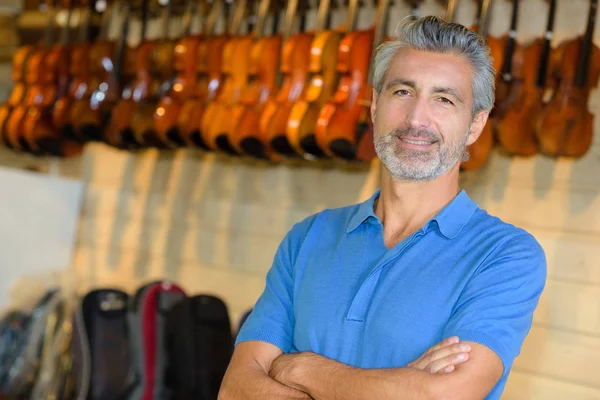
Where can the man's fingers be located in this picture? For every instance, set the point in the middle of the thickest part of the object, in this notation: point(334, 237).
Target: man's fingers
point(442, 353)
point(446, 342)
point(447, 364)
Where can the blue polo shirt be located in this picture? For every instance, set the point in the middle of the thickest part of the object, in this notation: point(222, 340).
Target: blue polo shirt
point(336, 290)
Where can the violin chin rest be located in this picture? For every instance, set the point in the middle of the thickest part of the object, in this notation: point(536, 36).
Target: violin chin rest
point(343, 148)
point(254, 147)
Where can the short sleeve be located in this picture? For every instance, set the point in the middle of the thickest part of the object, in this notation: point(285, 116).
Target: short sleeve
point(272, 318)
point(496, 307)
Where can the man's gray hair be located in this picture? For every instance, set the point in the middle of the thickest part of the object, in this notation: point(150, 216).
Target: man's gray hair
point(433, 34)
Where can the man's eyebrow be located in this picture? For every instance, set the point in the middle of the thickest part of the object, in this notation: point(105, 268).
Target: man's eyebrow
point(448, 90)
point(400, 81)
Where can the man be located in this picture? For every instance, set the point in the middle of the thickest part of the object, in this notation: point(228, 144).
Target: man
point(358, 297)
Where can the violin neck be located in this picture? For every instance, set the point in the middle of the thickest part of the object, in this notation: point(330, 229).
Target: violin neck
point(450, 10)
point(166, 19)
point(510, 44)
point(64, 33)
point(380, 31)
point(261, 18)
point(190, 11)
point(216, 10)
point(585, 50)
point(484, 19)
point(290, 13)
point(120, 48)
point(106, 18)
point(276, 18)
point(49, 34)
point(144, 25)
point(322, 15)
point(546, 47)
point(351, 16)
point(238, 17)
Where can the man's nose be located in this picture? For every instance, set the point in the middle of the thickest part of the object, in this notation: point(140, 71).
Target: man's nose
point(418, 114)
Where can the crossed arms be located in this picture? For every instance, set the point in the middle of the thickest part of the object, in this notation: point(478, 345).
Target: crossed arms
point(259, 370)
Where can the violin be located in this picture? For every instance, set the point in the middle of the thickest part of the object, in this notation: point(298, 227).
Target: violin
point(208, 78)
point(344, 128)
point(17, 94)
point(34, 82)
point(510, 76)
point(294, 70)
point(136, 68)
point(90, 110)
point(323, 67)
point(78, 72)
point(40, 88)
point(160, 80)
point(566, 127)
point(181, 87)
point(243, 130)
point(38, 129)
point(516, 131)
point(480, 150)
point(236, 64)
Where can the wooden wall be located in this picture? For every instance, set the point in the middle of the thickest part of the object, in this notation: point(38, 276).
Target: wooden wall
point(213, 223)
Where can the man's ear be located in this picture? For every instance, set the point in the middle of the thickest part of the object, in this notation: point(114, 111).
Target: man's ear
point(373, 105)
point(477, 126)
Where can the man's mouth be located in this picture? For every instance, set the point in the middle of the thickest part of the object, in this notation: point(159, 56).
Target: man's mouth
point(417, 142)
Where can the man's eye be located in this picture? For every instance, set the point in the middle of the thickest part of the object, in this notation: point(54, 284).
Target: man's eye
point(445, 100)
point(402, 92)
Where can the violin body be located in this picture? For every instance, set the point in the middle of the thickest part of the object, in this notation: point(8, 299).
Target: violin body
point(300, 129)
point(160, 72)
point(208, 86)
point(35, 80)
point(87, 114)
point(78, 88)
point(119, 131)
point(38, 127)
point(295, 62)
point(20, 61)
point(4, 113)
point(517, 126)
point(566, 127)
point(337, 123)
point(18, 92)
point(508, 92)
point(167, 112)
point(244, 129)
point(218, 116)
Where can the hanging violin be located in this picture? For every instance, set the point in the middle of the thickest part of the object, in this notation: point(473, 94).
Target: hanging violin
point(567, 126)
point(208, 79)
point(243, 130)
point(516, 130)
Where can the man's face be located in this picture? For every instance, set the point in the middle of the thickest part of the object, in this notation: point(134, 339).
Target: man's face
point(422, 117)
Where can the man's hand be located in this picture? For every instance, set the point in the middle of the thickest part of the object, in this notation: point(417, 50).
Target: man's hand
point(443, 357)
point(284, 368)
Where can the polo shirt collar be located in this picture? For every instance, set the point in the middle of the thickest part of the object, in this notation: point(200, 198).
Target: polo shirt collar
point(450, 220)
point(363, 212)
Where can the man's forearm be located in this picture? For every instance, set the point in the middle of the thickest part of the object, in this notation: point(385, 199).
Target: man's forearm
point(253, 383)
point(326, 379)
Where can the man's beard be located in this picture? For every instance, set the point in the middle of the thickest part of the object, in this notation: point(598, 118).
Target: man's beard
point(418, 165)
